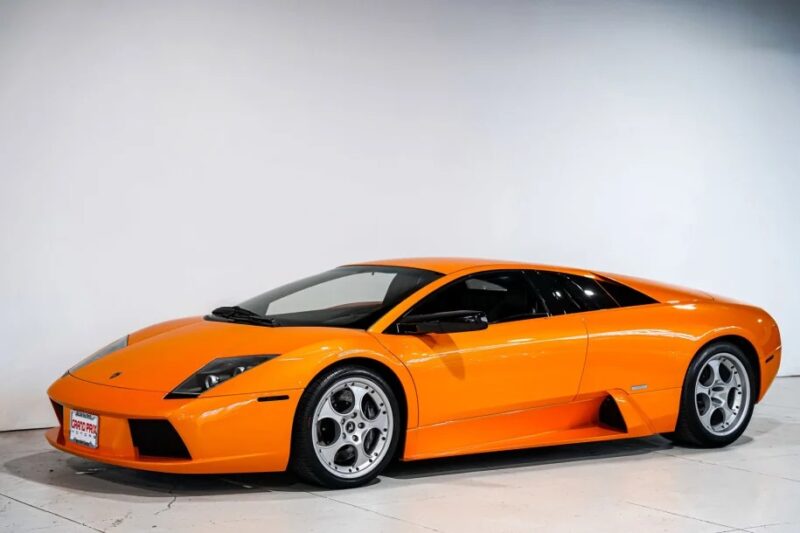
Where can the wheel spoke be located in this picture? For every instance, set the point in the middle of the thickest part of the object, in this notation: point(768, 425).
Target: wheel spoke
point(699, 388)
point(380, 422)
point(360, 456)
point(714, 366)
point(729, 389)
point(327, 411)
point(727, 412)
point(705, 418)
point(329, 452)
point(359, 391)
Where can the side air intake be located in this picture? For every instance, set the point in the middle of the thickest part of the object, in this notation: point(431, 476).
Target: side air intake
point(610, 415)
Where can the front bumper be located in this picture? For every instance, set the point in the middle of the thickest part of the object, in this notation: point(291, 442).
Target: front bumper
point(769, 370)
point(223, 434)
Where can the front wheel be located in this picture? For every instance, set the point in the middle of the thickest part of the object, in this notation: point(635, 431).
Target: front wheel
point(717, 398)
point(346, 428)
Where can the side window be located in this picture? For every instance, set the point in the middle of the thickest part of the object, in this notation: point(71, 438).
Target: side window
point(568, 293)
point(552, 288)
point(502, 295)
point(624, 295)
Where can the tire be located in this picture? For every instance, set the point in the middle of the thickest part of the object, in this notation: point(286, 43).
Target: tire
point(717, 400)
point(338, 444)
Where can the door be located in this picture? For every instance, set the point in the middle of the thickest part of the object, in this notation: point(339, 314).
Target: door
point(629, 347)
point(524, 359)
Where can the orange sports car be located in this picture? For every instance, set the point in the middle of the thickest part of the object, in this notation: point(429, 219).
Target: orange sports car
point(336, 375)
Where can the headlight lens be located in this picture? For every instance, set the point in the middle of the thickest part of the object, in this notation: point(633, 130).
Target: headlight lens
point(216, 372)
point(102, 352)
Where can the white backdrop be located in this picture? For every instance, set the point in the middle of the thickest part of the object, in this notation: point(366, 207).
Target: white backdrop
point(159, 159)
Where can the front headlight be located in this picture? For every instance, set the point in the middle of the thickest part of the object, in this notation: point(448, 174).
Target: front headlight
point(216, 372)
point(102, 352)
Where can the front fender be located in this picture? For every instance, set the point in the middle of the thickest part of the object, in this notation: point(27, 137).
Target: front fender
point(294, 370)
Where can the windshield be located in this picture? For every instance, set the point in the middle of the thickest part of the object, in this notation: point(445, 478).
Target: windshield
point(345, 297)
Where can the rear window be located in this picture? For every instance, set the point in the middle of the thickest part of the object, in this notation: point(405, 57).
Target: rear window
point(624, 295)
point(550, 286)
point(567, 293)
point(588, 293)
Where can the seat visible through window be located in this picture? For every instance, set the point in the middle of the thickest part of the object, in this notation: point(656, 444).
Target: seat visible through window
point(503, 296)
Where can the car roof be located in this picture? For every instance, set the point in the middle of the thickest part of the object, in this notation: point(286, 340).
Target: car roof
point(448, 265)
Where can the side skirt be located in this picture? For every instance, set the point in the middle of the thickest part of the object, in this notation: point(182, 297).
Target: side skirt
point(612, 415)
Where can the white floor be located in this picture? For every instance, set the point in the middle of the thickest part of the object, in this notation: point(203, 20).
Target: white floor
point(642, 484)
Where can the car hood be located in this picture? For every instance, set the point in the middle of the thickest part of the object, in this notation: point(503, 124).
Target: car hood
point(159, 358)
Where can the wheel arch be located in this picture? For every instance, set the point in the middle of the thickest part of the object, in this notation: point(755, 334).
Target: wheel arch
point(747, 348)
point(406, 399)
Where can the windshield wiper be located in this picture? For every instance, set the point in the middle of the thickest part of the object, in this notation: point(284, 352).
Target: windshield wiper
point(240, 314)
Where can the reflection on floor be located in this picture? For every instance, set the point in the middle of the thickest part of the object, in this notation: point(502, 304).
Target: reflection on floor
point(643, 484)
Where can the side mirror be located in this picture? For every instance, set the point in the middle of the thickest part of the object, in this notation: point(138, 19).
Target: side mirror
point(445, 322)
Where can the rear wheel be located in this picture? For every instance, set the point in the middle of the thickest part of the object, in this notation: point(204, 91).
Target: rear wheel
point(346, 428)
point(717, 398)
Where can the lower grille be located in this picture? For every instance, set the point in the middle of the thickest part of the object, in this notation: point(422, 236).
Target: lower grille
point(59, 409)
point(157, 438)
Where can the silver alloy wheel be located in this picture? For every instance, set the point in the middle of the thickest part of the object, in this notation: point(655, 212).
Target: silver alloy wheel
point(353, 426)
point(722, 394)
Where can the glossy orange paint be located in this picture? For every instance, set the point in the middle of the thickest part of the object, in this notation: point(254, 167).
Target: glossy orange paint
point(517, 384)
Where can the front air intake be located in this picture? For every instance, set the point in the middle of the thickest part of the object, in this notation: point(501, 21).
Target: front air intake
point(59, 409)
point(157, 438)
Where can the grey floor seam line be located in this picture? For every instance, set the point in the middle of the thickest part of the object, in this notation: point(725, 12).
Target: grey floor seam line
point(776, 456)
point(68, 519)
point(690, 517)
point(374, 512)
point(782, 406)
point(769, 525)
point(723, 465)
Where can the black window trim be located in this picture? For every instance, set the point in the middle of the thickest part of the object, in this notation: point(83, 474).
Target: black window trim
point(604, 279)
point(392, 328)
point(526, 274)
point(598, 279)
point(593, 278)
point(530, 272)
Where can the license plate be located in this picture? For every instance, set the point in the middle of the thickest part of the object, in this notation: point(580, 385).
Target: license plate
point(83, 428)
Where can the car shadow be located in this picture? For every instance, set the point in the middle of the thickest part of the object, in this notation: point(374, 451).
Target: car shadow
point(549, 456)
point(77, 474)
point(58, 469)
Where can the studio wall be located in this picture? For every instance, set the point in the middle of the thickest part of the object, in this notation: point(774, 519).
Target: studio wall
point(159, 159)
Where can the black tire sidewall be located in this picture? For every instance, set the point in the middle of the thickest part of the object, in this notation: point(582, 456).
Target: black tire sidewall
point(688, 411)
point(304, 458)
